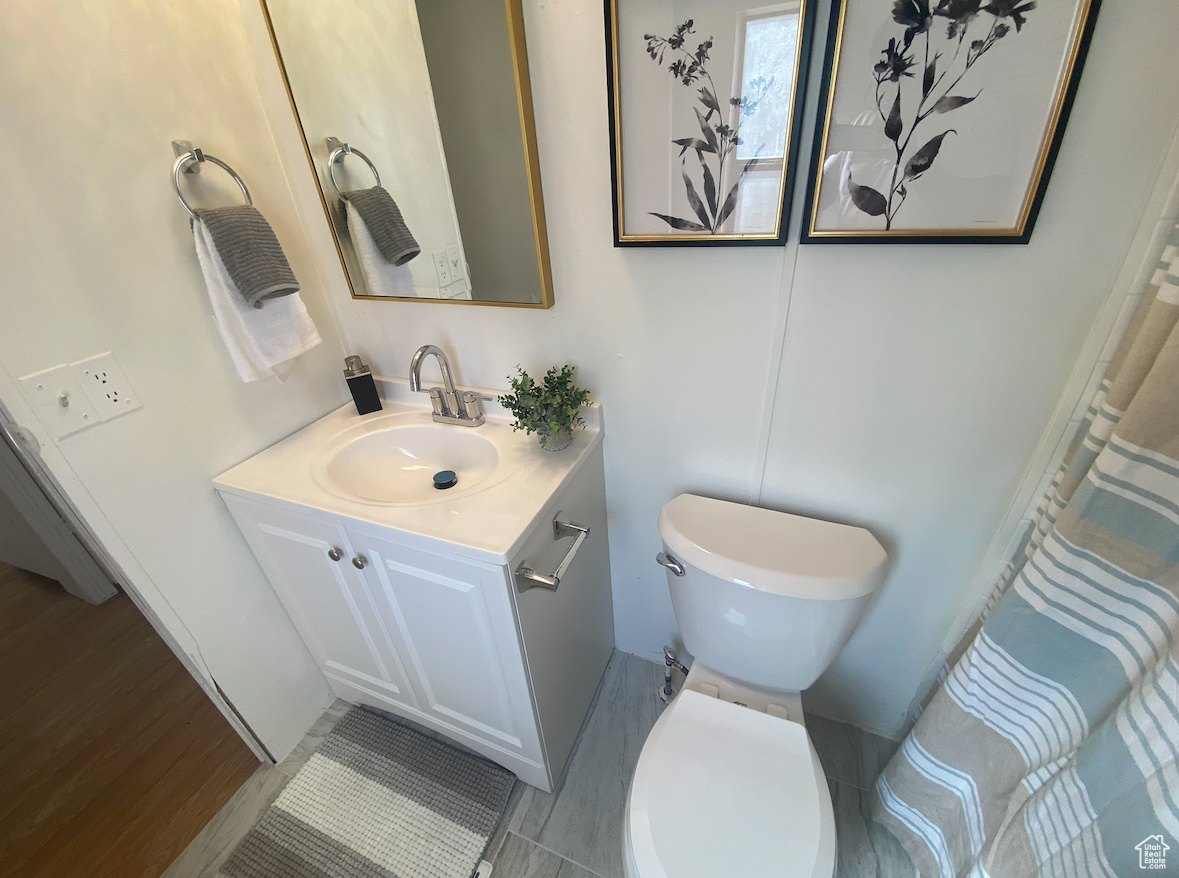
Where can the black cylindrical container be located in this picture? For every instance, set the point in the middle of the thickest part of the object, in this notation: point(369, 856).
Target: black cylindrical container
point(362, 385)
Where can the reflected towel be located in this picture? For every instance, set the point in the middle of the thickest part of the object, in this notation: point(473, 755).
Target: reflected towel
point(259, 340)
point(382, 217)
point(382, 278)
point(250, 252)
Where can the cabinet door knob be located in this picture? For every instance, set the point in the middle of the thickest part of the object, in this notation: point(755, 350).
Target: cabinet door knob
point(360, 562)
point(335, 554)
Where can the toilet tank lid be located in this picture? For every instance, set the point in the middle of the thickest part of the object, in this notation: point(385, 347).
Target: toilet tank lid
point(775, 552)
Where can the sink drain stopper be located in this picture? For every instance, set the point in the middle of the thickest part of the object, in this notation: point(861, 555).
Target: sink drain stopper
point(445, 479)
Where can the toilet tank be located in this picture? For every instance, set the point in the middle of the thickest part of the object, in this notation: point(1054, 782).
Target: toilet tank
point(767, 598)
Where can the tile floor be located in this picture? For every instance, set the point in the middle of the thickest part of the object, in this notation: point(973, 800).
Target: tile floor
point(576, 831)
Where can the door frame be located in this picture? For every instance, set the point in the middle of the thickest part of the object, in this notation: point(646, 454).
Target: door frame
point(86, 577)
point(40, 487)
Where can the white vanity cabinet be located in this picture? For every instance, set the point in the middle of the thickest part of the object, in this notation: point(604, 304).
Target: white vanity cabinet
point(308, 559)
point(442, 634)
point(453, 621)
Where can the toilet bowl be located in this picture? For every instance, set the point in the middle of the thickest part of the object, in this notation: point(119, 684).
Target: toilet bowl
point(728, 782)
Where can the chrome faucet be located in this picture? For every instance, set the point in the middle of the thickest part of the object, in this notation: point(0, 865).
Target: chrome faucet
point(449, 406)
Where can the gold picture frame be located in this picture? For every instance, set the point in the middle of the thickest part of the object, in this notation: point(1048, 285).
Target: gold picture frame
point(675, 186)
point(948, 132)
point(519, 58)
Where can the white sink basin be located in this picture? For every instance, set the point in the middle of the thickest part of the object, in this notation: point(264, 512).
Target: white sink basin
point(391, 460)
point(379, 469)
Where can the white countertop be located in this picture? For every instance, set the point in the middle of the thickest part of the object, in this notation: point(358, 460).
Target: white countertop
point(489, 523)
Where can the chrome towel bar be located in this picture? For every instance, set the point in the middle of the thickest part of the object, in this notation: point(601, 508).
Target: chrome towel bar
point(527, 578)
point(339, 149)
point(187, 154)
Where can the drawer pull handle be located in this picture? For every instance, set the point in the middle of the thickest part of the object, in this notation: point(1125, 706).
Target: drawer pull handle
point(527, 578)
point(360, 562)
point(335, 554)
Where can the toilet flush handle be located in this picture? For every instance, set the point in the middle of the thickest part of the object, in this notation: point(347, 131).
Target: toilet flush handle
point(665, 560)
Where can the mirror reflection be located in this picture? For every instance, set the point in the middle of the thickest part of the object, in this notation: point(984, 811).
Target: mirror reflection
point(418, 122)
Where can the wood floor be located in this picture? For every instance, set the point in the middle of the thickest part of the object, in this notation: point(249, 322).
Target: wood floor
point(113, 758)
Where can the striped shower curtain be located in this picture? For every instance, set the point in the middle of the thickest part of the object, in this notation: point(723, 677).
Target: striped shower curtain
point(1050, 747)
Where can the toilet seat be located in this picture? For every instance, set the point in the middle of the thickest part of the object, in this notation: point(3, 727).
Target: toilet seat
point(721, 789)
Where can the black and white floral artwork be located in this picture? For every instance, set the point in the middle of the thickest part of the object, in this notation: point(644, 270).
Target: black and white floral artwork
point(719, 132)
point(942, 116)
point(704, 115)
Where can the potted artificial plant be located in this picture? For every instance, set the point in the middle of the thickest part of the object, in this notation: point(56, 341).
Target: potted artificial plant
point(548, 408)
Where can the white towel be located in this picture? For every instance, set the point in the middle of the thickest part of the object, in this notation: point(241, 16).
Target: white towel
point(259, 340)
point(382, 278)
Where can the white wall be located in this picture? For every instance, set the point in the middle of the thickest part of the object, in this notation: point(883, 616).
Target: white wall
point(97, 255)
point(916, 382)
point(908, 386)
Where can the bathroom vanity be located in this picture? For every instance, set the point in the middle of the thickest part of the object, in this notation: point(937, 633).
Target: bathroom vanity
point(424, 602)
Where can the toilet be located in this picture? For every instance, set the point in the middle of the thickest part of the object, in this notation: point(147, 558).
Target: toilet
point(728, 782)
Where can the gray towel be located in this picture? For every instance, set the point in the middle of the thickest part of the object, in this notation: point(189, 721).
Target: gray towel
point(383, 219)
point(251, 252)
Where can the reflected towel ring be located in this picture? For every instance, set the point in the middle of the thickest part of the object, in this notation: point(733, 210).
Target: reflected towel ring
point(338, 154)
point(197, 156)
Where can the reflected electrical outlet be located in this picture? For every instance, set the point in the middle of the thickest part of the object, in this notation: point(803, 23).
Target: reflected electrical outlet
point(441, 267)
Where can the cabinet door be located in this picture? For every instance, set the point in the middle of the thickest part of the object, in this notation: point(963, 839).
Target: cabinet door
point(327, 600)
point(461, 646)
point(568, 633)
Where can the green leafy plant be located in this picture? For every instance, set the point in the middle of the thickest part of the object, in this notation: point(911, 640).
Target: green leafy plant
point(549, 408)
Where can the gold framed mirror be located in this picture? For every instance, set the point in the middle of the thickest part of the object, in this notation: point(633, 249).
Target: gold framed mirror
point(431, 102)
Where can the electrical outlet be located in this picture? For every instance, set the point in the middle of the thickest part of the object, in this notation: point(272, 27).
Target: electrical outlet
point(454, 262)
point(442, 267)
point(106, 386)
point(58, 400)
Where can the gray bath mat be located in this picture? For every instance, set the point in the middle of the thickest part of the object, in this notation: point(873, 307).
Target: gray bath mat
point(377, 800)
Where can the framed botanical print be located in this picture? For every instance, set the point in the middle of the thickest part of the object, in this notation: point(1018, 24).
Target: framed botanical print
point(940, 120)
point(706, 102)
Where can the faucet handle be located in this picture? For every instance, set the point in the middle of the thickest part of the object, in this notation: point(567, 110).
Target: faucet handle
point(471, 408)
point(436, 402)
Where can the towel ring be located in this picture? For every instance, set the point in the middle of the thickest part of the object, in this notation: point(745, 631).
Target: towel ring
point(338, 154)
point(197, 156)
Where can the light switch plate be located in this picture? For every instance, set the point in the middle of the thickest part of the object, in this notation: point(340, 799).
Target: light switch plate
point(442, 267)
point(59, 401)
point(106, 386)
